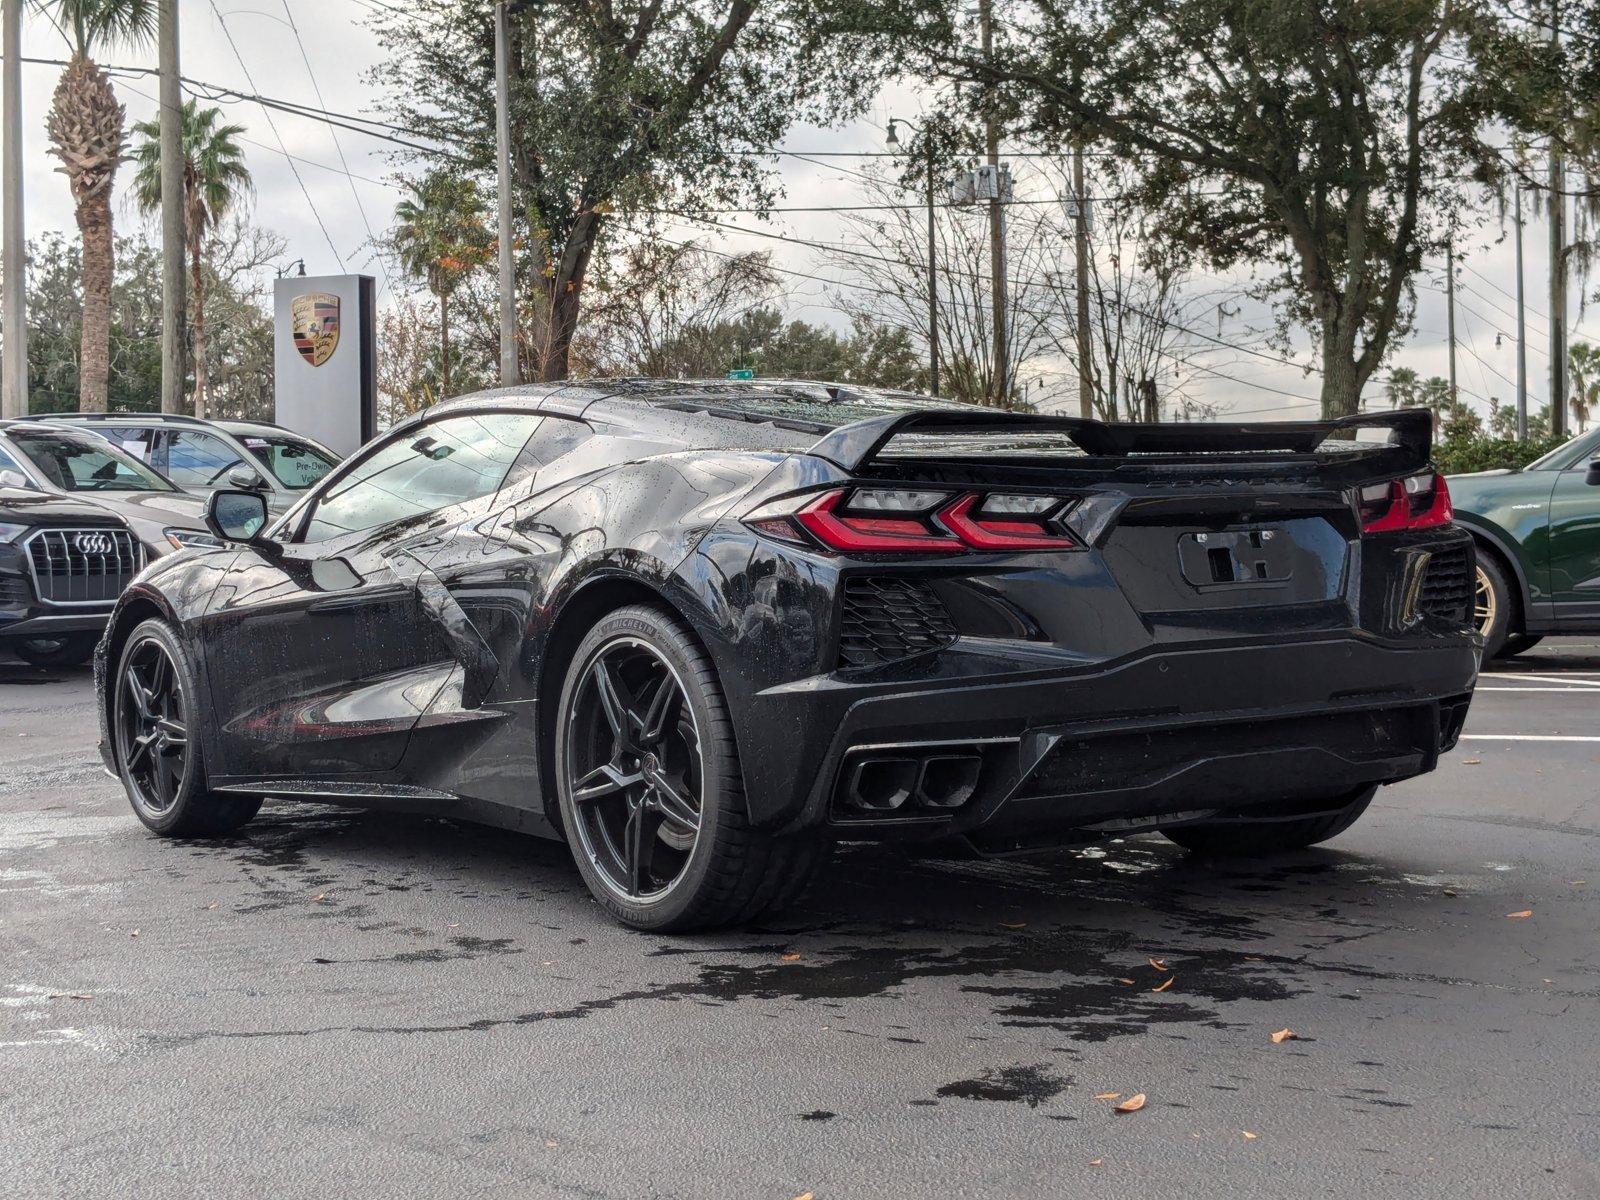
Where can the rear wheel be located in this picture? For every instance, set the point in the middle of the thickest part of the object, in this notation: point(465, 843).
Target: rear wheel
point(1494, 606)
point(650, 788)
point(65, 650)
point(1248, 839)
point(154, 730)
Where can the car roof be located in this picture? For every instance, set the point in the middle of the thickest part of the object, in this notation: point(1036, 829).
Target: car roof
point(771, 415)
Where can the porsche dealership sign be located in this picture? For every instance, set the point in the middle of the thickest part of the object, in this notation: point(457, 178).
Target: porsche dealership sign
point(325, 378)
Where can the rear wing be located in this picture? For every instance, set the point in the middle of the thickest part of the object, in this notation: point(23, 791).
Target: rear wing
point(1404, 450)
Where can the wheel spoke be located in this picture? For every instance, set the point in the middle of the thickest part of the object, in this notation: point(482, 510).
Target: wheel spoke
point(141, 698)
point(605, 780)
point(663, 711)
point(177, 735)
point(637, 850)
point(616, 701)
point(141, 747)
point(677, 807)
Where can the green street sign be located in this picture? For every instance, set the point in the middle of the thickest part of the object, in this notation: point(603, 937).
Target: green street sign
point(742, 373)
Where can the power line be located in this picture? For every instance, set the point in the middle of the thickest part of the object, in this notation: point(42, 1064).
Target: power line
point(273, 125)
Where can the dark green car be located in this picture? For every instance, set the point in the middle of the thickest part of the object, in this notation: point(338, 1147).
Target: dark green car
point(1538, 534)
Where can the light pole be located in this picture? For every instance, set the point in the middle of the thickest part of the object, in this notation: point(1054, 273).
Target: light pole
point(14, 391)
point(933, 258)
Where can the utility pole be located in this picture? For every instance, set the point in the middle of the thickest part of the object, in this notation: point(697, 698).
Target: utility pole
point(509, 373)
point(1000, 386)
point(1080, 233)
point(1522, 327)
point(172, 216)
point(1450, 313)
point(1558, 267)
point(14, 395)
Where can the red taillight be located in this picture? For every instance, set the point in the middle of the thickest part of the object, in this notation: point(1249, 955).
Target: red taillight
point(857, 534)
point(993, 531)
point(908, 521)
point(1415, 502)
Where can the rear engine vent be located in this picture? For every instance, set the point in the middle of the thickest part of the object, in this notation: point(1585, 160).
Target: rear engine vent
point(886, 618)
point(1448, 586)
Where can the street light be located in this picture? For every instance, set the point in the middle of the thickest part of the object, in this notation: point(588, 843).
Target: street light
point(893, 139)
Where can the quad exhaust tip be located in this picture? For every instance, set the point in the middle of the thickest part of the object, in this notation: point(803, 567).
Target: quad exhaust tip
point(887, 783)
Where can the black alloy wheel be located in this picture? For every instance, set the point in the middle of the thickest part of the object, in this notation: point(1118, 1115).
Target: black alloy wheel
point(155, 737)
point(152, 732)
point(634, 770)
point(650, 788)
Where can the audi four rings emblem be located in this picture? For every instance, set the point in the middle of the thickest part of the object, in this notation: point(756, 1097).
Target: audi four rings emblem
point(94, 543)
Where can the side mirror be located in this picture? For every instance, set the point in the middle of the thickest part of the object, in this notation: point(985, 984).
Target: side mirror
point(1593, 477)
point(242, 477)
point(13, 479)
point(236, 516)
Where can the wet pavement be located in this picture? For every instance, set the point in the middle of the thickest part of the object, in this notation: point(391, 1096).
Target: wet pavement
point(338, 1003)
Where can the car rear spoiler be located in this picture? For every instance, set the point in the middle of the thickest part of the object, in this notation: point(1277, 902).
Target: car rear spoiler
point(1406, 450)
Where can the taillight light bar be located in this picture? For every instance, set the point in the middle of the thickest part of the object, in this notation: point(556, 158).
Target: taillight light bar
point(1415, 502)
point(905, 521)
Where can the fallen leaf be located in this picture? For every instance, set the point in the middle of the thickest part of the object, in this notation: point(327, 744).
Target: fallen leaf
point(1158, 964)
point(1248, 1136)
point(135, 933)
point(1449, 891)
point(791, 958)
point(1284, 1035)
point(1132, 1104)
point(1520, 916)
point(1109, 1096)
point(1013, 924)
point(210, 906)
point(805, 1196)
point(1471, 762)
point(453, 925)
point(1161, 987)
point(1095, 1162)
point(317, 899)
point(551, 1144)
point(1129, 982)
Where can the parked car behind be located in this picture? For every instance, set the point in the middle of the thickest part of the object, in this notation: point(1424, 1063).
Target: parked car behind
point(202, 456)
point(1538, 535)
point(67, 462)
point(63, 563)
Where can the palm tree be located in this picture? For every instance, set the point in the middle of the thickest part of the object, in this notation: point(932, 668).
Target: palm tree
point(1401, 390)
point(214, 179)
point(1583, 363)
point(87, 134)
point(440, 235)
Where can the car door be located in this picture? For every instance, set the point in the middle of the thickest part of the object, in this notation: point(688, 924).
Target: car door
point(1575, 544)
point(323, 651)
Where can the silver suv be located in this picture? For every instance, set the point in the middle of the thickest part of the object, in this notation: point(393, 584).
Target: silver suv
point(202, 456)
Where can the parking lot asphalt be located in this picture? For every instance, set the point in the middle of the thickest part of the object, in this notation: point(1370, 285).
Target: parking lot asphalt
point(335, 1003)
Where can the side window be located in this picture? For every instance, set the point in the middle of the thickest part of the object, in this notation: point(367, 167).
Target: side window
point(137, 442)
point(555, 437)
point(198, 459)
point(441, 463)
point(7, 463)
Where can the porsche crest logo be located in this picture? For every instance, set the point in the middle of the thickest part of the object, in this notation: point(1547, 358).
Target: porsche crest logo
point(316, 326)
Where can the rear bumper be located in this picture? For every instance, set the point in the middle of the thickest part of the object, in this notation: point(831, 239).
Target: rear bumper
point(1164, 733)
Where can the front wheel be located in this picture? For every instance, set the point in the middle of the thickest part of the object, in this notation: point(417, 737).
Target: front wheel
point(155, 729)
point(650, 787)
point(66, 650)
point(1493, 607)
point(1252, 839)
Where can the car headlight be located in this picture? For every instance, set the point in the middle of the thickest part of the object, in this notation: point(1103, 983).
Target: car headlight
point(10, 533)
point(191, 539)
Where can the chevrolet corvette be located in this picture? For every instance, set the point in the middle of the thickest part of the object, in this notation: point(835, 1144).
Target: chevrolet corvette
point(701, 631)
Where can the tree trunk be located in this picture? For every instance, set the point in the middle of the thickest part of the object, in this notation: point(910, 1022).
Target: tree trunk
point(202, 383)
point(99, 264)
point(1341, 380)
point(444, 345)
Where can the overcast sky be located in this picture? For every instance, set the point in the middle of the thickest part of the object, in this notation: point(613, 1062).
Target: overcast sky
point(329, 216)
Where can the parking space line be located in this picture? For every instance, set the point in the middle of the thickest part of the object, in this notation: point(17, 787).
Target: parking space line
point(1528, 737)
point(1582, 683)
point(1542, 690)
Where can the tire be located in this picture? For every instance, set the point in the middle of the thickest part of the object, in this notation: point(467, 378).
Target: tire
point(163, 774)
point(625, 798)
point(68, 650)
point(1517, 643)
point(1496, 610)
point(1245, 839)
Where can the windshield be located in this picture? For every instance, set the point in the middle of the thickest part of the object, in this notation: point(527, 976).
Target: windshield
point(1569, 454)
point(294, 463)
point(86, 464)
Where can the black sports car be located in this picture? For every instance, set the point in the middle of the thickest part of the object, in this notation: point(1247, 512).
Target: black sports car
point(701, 630)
